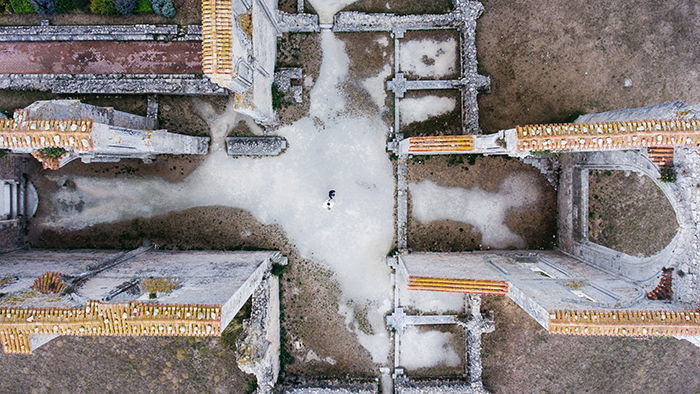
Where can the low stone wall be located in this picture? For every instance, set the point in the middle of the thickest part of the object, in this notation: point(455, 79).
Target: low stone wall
point(101, 33)
point(184, 84)
point(360, 21)
point(298, 23)
point(255, 146)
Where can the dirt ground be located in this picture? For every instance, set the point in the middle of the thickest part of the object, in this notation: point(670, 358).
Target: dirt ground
point(549, 59)
point(445, 124)
point(535, 224)
point(298, 50)
point(438, 36)
point(402, 7)
point(125, 364)
point(521, 356)
point(188, 12)
point(621, 206)
point(315, 326)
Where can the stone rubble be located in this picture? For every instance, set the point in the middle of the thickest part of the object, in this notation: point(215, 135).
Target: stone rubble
point(283, 81)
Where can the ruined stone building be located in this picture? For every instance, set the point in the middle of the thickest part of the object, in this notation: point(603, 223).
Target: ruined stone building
point(239, 47)
point(92, 134)
point(45, 294)
point(232, 52)
point(583, 288)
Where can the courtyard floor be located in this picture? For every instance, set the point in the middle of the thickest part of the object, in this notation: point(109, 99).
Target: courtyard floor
point(337, 141)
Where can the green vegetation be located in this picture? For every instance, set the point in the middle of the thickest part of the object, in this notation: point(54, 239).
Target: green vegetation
point(52, 153)
point(455, 160)
point(4, 152)
point(100, 7)
point(5, 6)
point(278, 98)
point(234, 329)
point(278, 269)
point(143, 7)
point(252, 386)
point(63, 6)
point(668, 174)
point(21, 7)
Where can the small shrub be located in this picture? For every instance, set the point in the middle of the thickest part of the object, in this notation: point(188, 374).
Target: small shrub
point(164, 8)
point(4, 152)
point(278, 100)
point(63, 6)
point(143, 7)
point(102, 7)
point(125, 7)
point(22, 7)
point(52, 153)
point(454, 160)
point(5, 6)
point(668, 174)
point(44, 7)
point(152, 296)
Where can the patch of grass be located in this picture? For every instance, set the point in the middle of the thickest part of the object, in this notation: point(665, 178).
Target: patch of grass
point(143, 7)
point(278, 269)
point(455, 160)
point(52, 153)
point(278, 98)
point(471, 159)
point(252, 386)
point(21, 7)
point(234, 329)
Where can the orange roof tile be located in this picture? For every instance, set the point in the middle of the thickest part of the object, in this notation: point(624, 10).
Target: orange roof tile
point(625, 323)
point(469, 286)
point(112, 319)
point(453, 143)
point(21, 132)
point(611, 135)
point(217, 33)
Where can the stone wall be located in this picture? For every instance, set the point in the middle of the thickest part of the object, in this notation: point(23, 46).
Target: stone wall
point(184, 84)
point(101, 33)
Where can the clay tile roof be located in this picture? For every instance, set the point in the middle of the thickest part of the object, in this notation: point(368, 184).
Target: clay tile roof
point(21, 132)
point(452, 143)
point(217, 31)
point(48, 163)
point(469, 286)
point(610, 135)
point(107, 319)
point(625, 323)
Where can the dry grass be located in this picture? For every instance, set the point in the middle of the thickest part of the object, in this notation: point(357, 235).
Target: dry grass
point(159, 285)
